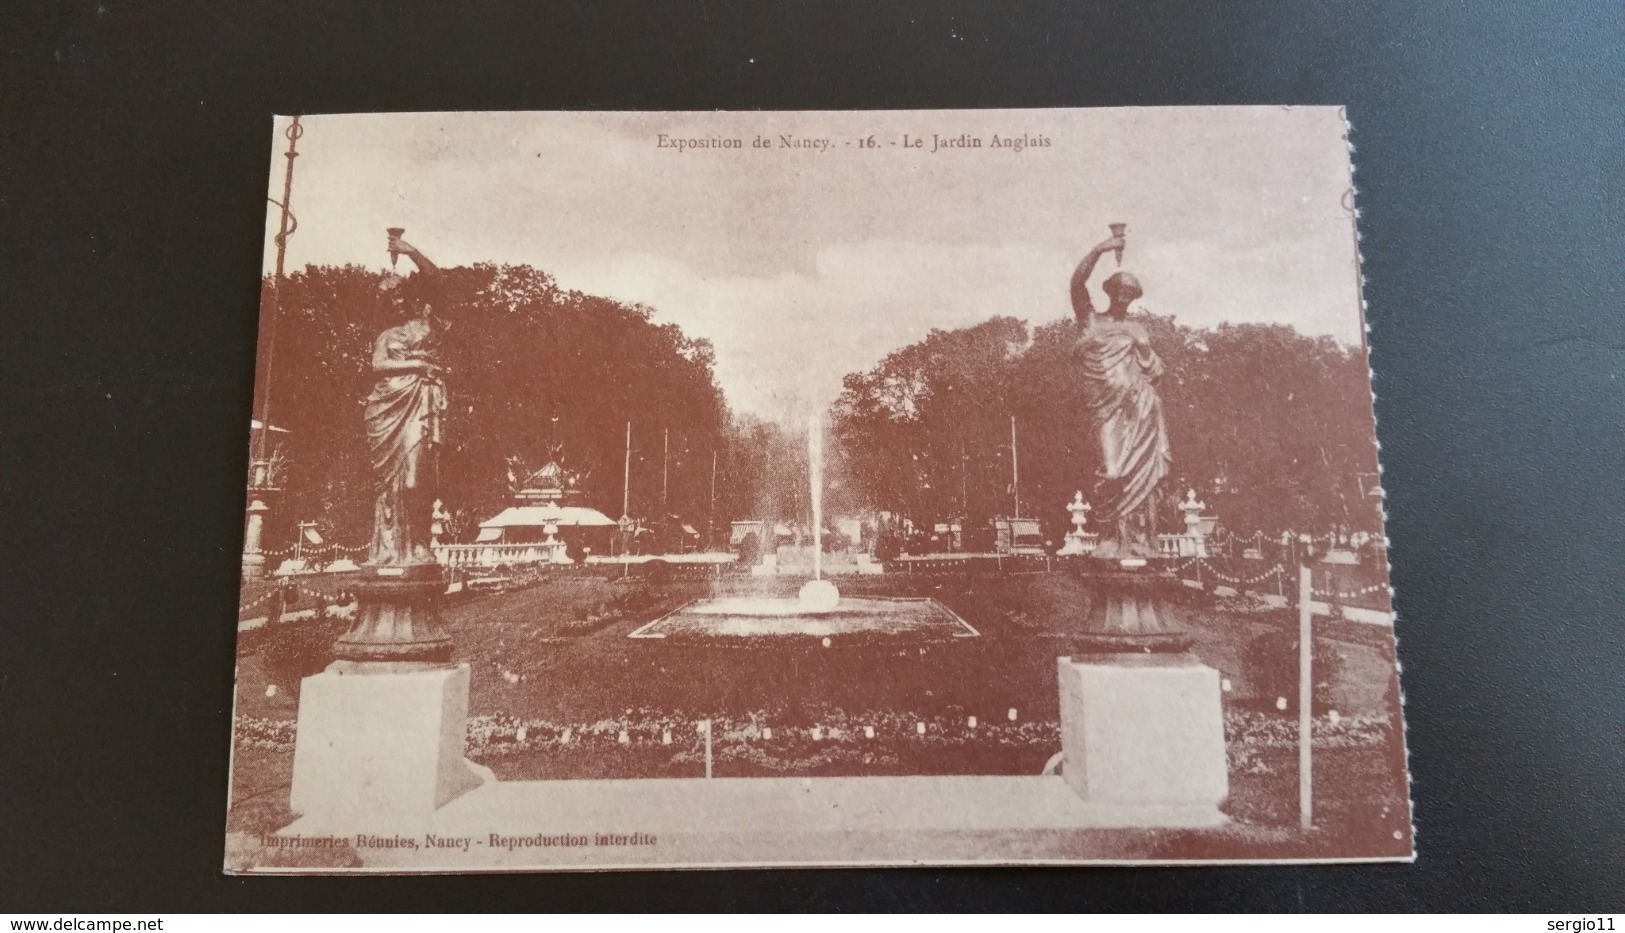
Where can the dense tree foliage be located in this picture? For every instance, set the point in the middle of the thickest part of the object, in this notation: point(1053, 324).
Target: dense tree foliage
point(534, 371)
point(1271, 428)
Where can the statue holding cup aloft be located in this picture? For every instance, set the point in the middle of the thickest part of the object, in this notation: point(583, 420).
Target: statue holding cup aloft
point(1123, 412)
point(404, 413)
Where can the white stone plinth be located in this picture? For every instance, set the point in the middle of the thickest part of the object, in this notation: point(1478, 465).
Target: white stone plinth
point(253, 566)
point(1145, 731)
point(381, 743)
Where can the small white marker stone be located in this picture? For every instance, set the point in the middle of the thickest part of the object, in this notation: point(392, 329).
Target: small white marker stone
point(624, 739)
point(826, 642)
point(767, 734)
point(919, 728)
point(565, 738)
point(817, 734)
point(971, 722)
point(868, 732)
point(1012, 714)
point(1225, 685)
point(520, 735)
point(665, 737)
point(1334, 716)
point(270, 690)
point(1280, 702)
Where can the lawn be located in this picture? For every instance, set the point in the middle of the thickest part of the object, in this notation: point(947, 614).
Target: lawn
point(560, 691)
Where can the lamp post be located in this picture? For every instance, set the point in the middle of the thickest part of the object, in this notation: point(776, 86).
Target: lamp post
point(285, 228)
point(261, 476)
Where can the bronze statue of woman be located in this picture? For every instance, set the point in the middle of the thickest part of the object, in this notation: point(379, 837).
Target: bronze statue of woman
point(403, 417)
point(1119, 370)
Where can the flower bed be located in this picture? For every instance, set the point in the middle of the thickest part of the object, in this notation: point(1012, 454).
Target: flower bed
point(797, 748)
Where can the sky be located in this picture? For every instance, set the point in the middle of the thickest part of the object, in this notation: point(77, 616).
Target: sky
point(801, 265)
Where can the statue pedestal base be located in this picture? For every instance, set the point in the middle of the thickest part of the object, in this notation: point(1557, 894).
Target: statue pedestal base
point(1130, 614)
point(253, 567)
point(398, 617)
point(1145, 732)
point(381, 741)
point(253, 534)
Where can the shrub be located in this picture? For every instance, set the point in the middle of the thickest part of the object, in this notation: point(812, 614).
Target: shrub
point(887, 547)
point(637, 598)
point(656, 571)
point(1271, 666)
point(294, 650)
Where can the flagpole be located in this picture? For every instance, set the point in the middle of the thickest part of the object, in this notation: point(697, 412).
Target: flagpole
point(1015, 476)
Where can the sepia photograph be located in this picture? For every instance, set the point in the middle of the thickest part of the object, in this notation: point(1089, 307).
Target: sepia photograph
point(635, 490)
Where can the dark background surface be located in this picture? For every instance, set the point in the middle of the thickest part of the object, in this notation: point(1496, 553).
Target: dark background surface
point(134, 150)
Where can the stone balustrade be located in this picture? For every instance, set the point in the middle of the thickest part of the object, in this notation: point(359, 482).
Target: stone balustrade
point(494, 555)
point(1182, 545)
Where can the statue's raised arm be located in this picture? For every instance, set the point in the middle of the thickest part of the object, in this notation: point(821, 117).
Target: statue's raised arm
point(1083, 305)
point(399, 247)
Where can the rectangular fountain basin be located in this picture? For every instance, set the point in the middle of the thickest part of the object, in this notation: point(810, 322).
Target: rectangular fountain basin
point(759, 617)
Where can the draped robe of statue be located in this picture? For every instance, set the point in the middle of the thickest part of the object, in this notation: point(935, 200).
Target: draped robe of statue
point(1118, 369)
point(403, 417)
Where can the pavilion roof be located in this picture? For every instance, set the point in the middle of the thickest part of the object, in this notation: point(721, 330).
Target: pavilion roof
point(549, 514)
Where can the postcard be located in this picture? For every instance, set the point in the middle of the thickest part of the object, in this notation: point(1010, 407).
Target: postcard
point(701, 490)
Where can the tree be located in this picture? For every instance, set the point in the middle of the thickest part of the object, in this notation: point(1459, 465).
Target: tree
point(1270, 427)
point(531, 367)
point(925, 433)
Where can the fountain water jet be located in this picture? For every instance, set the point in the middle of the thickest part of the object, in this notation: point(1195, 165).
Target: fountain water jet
point(817, 594)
